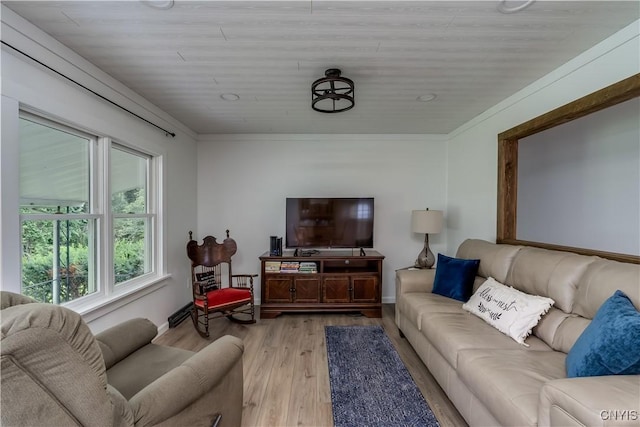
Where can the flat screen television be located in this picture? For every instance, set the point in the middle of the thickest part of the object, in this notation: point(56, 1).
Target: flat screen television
point(329, 222)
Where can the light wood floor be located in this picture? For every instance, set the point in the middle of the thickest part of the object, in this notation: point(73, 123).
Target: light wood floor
point(286, 376)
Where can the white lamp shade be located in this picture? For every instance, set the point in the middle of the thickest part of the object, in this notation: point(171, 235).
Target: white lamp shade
point(428, 222)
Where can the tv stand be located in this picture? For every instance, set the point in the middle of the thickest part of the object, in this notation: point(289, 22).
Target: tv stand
point(342, 281)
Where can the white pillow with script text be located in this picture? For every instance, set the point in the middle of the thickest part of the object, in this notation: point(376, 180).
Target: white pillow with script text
point(510, 311)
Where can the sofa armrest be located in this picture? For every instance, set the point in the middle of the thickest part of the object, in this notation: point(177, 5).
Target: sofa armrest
point(414, 281)
point(174, 392)
point(123, 339)
point(590, 401)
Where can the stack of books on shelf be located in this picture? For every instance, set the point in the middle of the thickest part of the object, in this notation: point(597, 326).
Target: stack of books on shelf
point(289, 266)
point(308, 267)
point(272, 266)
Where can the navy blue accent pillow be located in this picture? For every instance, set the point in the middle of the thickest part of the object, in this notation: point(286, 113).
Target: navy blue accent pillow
point(609, 345)
point(454, 277)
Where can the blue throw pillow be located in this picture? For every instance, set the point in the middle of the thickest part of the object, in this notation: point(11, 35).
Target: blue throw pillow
point(610, 344)
point(454, 277)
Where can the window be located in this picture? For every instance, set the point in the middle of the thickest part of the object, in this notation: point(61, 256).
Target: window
point(88, 213)
point(58, 220)
point(132, 222)
point(362, 210)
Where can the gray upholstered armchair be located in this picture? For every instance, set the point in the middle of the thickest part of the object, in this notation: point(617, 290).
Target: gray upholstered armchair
point(56, 372)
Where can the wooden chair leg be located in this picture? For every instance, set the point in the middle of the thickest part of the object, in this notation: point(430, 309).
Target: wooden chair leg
point(206, 322)
point(196, 323)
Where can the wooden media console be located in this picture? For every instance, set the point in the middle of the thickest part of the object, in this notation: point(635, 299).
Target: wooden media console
point(342, 281)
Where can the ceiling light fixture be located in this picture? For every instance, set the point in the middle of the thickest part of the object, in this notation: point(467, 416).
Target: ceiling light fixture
point(332, 93)
point(502, 6)
point(159, 4)
point(230, 96)
point(427, 97)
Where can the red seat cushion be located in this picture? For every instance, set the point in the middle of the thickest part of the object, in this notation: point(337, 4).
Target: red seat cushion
point(226, 296)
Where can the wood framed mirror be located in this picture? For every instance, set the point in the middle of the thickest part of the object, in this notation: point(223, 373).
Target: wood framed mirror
point(508, 174)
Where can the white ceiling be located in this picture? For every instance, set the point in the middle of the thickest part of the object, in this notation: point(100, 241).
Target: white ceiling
point(268, 53)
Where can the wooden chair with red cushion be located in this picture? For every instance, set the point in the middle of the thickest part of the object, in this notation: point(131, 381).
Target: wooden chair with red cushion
point(217, 292)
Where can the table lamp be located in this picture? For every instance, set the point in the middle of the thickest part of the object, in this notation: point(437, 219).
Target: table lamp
point(427, 222)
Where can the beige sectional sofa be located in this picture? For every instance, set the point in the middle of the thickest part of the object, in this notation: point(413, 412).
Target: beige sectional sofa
point(493, 380)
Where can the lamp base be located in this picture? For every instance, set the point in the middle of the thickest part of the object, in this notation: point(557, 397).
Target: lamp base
point(425, 259)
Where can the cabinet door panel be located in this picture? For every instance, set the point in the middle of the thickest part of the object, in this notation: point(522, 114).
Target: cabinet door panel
point(365, 289)
point(336, 289)
point(278, 289)
point(307, 289)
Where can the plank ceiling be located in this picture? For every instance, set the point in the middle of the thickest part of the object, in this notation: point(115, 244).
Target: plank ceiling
point(268, 53)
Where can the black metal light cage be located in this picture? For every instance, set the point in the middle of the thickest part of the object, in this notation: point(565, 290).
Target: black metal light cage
point(332, 93)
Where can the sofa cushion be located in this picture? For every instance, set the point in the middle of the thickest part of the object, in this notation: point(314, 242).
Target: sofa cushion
point(610, 344)
point(477, 282)
point(552, 274)
point(509, 310)
point(123, 339)
point(495, 260)
point(144, 366)
point(121, 408)
point(454, 277)
point(548, 326)
point(560, 330)
point(568, 332)
point(601, 280)
point(508, 382)
point(457, 330)
point(415, 304)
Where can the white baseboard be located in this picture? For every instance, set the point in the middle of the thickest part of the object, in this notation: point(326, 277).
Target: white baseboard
point(162, 329)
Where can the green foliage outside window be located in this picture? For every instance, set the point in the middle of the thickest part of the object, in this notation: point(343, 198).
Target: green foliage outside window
point(37, 275)
point(74, 281)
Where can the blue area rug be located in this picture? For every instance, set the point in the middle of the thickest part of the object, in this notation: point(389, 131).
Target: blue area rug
point(370, 386)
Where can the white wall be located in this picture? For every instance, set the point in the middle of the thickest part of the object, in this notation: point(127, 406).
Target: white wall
point(25, 85)
point(472, 149)
point(243, 181)
point(575, 178)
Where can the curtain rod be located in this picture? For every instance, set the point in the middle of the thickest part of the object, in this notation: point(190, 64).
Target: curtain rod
point(86, 88)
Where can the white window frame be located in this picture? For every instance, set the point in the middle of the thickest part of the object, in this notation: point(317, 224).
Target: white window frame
point(150, 215)
point(93, 215)
point(108, 295)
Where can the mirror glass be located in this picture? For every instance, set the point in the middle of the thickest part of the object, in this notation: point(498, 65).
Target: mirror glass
point(578, 184)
